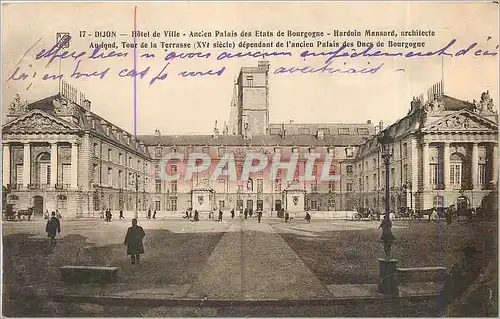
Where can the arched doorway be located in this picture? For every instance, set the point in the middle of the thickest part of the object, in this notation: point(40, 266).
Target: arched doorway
point(462, 203)
point(38, 205)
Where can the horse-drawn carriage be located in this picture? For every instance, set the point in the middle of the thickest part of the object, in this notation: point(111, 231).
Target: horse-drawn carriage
point(366, 212)
point(17, 215)
point(409, 214)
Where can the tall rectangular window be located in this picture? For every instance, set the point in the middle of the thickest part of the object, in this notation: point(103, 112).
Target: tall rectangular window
point(314, 205)
point(173, 186)
point(157, 205)
point(456, 176)
point(331, 186)
point(314, 186)
point(110, 177)
point(433, 171)
point(158, 151)
point(66, 174)
point(482, 174)
point(173, 204)
point(260, 185)
point(44, 174)
point(277, 187)
point(158, 185)
point(349, 187)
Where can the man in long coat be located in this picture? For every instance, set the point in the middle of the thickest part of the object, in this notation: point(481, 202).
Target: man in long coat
point(53, 228)
point(133, 240)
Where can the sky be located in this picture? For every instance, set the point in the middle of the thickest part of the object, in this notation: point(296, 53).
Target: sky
point(191, 105)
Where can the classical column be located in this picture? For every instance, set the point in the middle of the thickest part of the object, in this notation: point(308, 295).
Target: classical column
point(27, 165)
point(475, 166)
point(53, 164)
point(446, 165)
point(74, 165)
point(425, 165)
point(6, 164)
point(494, 163)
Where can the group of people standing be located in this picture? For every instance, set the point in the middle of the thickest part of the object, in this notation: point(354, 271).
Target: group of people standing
point(149, 214)
point(189, 215)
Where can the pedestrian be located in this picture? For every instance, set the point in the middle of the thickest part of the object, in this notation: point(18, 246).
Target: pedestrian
point(154, 214)
point(220, 215)
point(187, 215)
point(232, 213)
point(259, 215)
point(133, 241)
point(102, 213)
point(149, 213)
point(190, 213)
point(287, 216)
point(121, 214)
point(58, 214)
point(246, 213)
point(250, 212)
point(46, 216)
point(308, 217)
point(196, 217)
point(53, 228)
point(387, 237)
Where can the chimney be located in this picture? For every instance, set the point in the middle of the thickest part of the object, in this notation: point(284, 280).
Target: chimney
point(381, 125)
point(216, 130)
point(369, 122)
point(263, 64)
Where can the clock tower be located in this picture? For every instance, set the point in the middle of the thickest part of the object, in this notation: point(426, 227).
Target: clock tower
point(253, 100)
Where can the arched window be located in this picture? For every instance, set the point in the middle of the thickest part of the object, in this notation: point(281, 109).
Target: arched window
point(43, 168)
point(250, 185)
point(456, 162)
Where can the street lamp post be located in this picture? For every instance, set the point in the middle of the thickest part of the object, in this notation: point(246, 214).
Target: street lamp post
point(387, 267)
point(136, 177)
point(385, 142)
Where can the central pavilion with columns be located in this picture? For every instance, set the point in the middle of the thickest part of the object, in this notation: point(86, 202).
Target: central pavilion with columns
point(443, 152)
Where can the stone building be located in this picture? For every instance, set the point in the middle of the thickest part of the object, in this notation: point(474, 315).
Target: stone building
point(58, 154)
point(443, 150)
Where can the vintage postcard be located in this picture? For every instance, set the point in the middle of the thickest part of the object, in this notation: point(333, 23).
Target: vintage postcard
point(250, 159)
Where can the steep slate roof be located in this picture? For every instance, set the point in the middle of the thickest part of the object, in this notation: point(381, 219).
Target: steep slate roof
point(453, 104)
point(261, 140)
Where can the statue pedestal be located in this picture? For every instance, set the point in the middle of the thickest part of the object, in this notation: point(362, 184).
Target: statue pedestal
point(387, 273)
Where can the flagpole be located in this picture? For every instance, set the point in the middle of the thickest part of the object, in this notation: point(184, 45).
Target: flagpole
point(442, 74)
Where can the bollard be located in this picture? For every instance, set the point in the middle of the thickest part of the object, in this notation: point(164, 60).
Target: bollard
point(388, 281)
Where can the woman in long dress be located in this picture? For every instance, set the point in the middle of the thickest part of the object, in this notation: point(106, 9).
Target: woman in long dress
point(133, 240)
point(387, 237)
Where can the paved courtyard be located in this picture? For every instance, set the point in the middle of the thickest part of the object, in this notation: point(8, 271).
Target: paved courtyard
point(235, 259)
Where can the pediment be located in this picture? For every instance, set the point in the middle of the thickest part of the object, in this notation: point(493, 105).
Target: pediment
point(461, 121)
point(39, 122)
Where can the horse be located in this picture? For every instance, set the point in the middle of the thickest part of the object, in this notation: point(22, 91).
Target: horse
point(26, 212)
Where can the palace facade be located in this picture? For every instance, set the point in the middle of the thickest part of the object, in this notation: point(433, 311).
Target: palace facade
point(58, 154)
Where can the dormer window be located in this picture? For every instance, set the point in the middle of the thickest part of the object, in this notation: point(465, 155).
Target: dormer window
point(295, 150)
point(174, 150)
point(344, 131)
point(349, 152)
point(158, 151)
point(250, 80)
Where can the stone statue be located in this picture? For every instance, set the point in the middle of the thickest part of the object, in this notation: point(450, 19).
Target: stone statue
point(485, 104)
point(387, 237)
point(17, 106)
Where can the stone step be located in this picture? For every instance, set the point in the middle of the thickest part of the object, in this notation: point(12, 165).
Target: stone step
point(89, 274)
point(422, 274)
